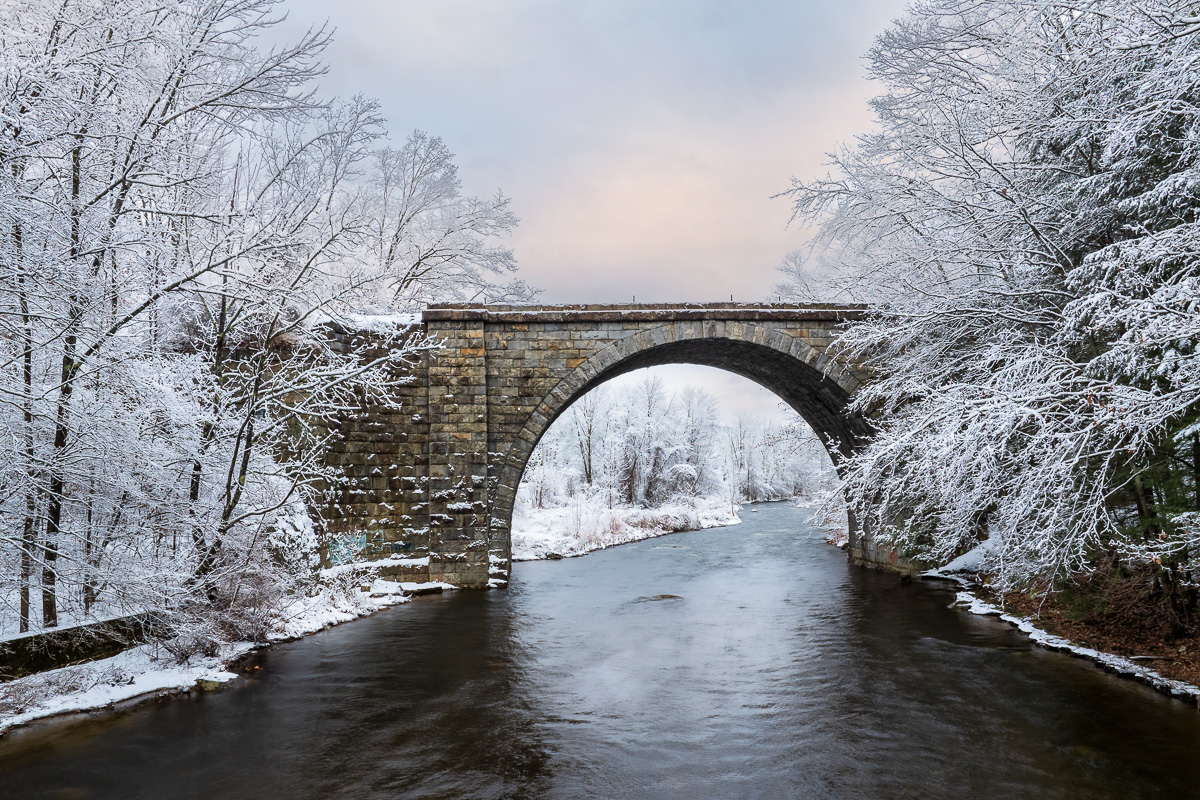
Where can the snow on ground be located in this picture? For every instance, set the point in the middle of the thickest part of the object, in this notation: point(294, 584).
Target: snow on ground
point(97, 684)
point(67, 618)
point(974, 561)
point(1113, 663)
point(583, 527)
point(151, 669)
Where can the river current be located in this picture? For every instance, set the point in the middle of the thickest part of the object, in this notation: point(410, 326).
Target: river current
point(774, 671)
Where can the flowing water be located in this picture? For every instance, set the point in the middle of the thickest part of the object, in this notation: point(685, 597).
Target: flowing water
point(776, 671)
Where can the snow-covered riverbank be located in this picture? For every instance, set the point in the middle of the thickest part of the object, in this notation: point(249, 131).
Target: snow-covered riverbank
point(965, 571)
point(150, 669)
point(1116, 664)
point(582, 527)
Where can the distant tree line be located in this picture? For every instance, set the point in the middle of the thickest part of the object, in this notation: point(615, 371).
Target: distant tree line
point(648, 447)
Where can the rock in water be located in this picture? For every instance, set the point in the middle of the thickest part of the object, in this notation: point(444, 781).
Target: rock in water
point(554, 556)
point(417, 591)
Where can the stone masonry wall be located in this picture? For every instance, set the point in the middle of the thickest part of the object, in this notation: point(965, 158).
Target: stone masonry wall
point(383, 452)
point(458, 407)
point(434, 480)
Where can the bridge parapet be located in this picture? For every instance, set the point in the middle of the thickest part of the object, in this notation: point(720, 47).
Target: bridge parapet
point(645, 312)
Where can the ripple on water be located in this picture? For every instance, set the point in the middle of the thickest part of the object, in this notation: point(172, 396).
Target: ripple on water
point(744, 662)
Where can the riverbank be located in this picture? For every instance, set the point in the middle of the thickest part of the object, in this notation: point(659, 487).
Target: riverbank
point(540, 533)
point(150, 670)
point(1142, 638)
point(1044, 620)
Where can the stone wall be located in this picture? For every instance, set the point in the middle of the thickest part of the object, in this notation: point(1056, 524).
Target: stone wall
point(60, 647)
point(383, 453)
point(433, 480)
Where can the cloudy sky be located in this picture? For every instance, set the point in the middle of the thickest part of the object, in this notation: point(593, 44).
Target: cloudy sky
point(641, 141)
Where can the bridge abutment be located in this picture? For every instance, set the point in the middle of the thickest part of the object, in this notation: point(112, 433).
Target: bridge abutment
point(458, 437)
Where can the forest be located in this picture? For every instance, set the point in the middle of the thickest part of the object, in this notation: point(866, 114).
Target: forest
point(630, 461)
point(182, 211)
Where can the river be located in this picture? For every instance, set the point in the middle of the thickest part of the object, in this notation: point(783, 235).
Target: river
point(776, 671)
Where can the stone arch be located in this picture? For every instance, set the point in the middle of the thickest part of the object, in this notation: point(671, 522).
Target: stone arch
point(813, 383)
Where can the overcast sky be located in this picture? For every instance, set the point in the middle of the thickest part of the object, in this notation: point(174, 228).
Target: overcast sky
point(640, 140)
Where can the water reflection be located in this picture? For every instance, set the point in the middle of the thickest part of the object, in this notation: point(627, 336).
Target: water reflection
point(766, 667)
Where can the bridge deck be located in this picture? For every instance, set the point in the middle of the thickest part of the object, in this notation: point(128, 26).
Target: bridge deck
point(645, 312)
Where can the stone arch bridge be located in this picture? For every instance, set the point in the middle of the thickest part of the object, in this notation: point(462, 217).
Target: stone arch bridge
point(432, 482)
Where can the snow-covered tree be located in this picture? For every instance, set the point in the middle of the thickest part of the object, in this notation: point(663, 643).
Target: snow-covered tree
point(432, 242)
point(1024, 219)
point(181, 218)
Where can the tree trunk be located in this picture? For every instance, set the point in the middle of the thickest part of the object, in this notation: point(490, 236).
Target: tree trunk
point(29, 523)
point(1196, 470)
point(206, 552)
point(89, 546)
point(1145, 506)
point(62, 416)
point(57, 488)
